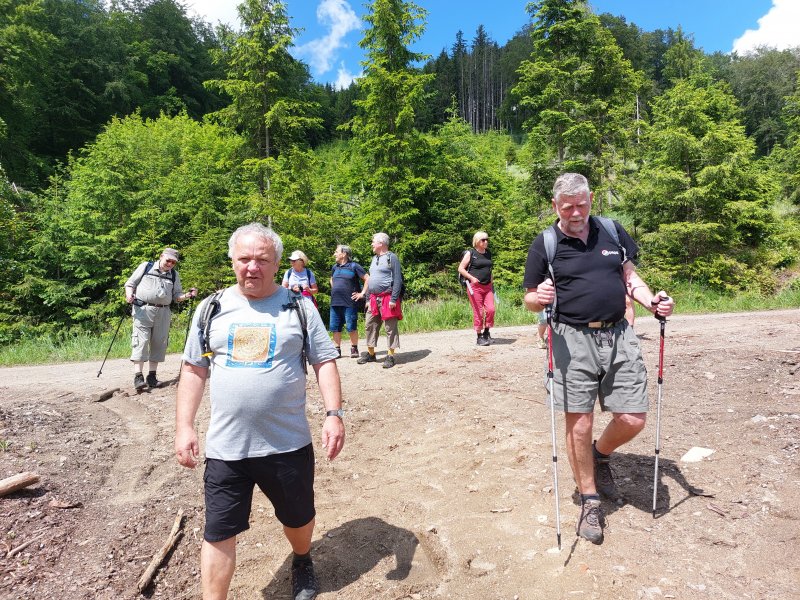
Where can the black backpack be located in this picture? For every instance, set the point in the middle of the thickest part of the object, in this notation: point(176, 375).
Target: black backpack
point(212, 306)
point(149, 266)
point(551, 244)
point(461, 278)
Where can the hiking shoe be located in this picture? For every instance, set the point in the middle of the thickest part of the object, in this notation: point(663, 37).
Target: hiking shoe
point(590, 523)
point(542, 343)
point(305, 585)
point(604, 480)
point(365, 358)
point(138, 382)
point(152, 381)
point(354, 352)
point(388, 362)
point(339, 350)
point(487, 337)
point(482, 341)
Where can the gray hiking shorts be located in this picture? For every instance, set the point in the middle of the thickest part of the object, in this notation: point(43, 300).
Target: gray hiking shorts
point(150, 334)
point(598, 363)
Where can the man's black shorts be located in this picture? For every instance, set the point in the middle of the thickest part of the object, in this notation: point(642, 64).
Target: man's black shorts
point(286, 479)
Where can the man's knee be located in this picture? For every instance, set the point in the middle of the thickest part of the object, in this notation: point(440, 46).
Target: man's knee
point(579, 424)
point(633, 422)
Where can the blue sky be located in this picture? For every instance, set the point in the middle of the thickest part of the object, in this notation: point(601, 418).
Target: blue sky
point(332, 28)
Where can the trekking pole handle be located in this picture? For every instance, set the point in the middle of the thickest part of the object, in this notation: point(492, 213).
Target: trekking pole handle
point(656, 300)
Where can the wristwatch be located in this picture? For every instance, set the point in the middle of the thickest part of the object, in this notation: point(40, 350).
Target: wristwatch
point(335, 413)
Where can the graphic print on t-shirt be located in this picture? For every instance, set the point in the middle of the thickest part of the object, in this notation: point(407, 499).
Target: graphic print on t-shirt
point(251, 345)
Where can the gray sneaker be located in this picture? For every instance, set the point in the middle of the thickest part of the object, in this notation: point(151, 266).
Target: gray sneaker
point(366, 357)
point(604, 480)
point(591, 521)
point(388, 362)
point(305, 585)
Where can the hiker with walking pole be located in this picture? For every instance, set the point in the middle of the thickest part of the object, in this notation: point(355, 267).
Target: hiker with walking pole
point(582, 267)
point(150, 289)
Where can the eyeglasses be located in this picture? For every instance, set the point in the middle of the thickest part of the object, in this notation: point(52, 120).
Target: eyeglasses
point(170, 261)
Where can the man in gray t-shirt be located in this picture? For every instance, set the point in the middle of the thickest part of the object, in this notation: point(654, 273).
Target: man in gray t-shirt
point(258, 433)
point(150, 289)
point(383, 294)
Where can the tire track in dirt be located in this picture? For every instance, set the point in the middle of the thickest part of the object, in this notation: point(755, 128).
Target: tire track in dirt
point(145, 464)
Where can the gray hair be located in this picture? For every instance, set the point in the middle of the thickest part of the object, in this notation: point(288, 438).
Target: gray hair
point(261, 231)
point(381, 238)
point(345, 249)
point(570, 184)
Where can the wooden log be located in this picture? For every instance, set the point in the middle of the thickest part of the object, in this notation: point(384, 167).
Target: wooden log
point(174, 536)
point(17, 482)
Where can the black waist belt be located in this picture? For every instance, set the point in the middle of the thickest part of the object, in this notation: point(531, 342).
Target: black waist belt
point(148, 304)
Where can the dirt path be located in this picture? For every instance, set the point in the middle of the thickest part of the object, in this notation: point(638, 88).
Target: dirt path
point(444, 489)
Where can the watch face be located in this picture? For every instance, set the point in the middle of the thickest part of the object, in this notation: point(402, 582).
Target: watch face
point(335, 413)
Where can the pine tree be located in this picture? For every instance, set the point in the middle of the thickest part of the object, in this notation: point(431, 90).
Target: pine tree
point(579, 89)
point(268, 87)
point(392, 92)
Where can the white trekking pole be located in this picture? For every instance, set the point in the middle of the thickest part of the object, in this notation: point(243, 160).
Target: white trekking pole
point(663, 323)
point(549, 312)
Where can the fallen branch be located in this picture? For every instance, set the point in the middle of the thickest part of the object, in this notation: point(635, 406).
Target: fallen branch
point(174, 536)
point(101, 397)
point(22, 547)
point(714, 508)
point(17, 482)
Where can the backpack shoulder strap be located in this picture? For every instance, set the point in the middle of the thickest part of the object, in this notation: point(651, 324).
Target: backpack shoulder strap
point(208, 311)
point(149, 266)
point(611, 229)
point(550, 246)
point(297, 304)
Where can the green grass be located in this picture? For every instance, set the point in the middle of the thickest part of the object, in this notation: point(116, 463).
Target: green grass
point(431, 315)
point(86, 346)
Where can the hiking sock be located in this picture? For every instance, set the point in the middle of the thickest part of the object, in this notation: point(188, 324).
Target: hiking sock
point(486, 333)
point(585, 497)
point(391, 351)
point(597, 453)
point(371, 351)
point(298, 558)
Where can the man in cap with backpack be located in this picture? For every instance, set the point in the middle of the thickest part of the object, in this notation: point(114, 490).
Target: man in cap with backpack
point(583, 273)
point(256, 337)
point(152, 287)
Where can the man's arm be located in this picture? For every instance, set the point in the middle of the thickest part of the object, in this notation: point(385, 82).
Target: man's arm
point(190, 393)
point(331, 389)
point(536, 299)
point(660, 304)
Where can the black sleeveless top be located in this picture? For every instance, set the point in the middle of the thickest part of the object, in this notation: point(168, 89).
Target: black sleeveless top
point(480, 266)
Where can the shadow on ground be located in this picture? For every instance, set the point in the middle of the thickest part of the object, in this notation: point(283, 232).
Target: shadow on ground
point(347, 553)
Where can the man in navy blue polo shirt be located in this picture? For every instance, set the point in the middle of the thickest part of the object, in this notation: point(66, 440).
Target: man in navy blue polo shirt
point(595, 351)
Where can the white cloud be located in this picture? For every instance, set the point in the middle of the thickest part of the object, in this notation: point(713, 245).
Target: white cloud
point(777, 29)
point(340, 19)
point(344, 78)
point(214, 11)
